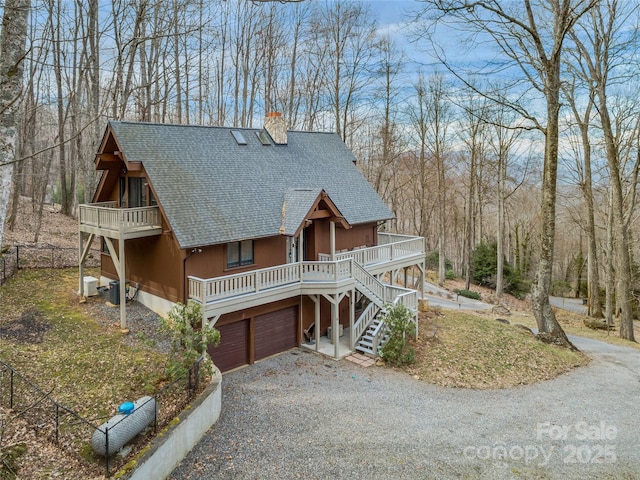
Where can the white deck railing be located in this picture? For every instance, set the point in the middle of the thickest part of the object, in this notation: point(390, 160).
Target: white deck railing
point(107, 216)
point(375, 286)
point(363, 322)
point(392, 247)
point(255, 281)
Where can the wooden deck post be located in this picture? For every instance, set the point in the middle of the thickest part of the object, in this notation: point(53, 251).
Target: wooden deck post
point(335, 325)
point(352, 315)
point(316, 300)
point(123, 279)
point(81, 265)
point(332, 237)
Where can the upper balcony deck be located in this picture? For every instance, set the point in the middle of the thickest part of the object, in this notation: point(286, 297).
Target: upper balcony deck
point(393, 251)
point(108, 220)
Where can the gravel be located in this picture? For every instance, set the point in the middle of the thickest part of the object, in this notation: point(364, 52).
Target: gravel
point(299, 415)
point(143, 324)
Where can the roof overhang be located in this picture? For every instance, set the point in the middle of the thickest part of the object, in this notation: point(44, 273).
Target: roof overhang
point(301, 206)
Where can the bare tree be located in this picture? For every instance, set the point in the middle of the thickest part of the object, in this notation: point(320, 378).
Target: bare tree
point(438, 122)
point(599, 58)
point(472, 134)
point(583, 120)
point(531, 36)
point(12, 54)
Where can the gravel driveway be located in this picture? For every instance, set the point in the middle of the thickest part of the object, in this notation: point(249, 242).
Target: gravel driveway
point(299, 415)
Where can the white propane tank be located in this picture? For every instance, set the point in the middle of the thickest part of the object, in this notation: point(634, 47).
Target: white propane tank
point(122, 428)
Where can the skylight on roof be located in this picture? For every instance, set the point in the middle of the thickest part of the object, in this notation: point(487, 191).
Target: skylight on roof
point(263, 137)
point(239, 137)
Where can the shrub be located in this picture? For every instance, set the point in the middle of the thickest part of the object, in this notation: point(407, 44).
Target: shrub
point(469, 294)
point(484, 269)
point(187, 343)
point(432, 260)
point(397, 350)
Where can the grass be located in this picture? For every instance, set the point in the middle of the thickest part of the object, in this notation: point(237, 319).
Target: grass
point(84, 365)
point(473, 351)
point(49, 337)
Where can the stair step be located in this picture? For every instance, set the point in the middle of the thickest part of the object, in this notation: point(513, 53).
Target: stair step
point(365, 343)
point(364, 350)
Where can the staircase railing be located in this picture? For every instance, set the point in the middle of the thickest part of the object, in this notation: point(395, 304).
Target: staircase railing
point(371, 283)
point(376, 334)
point(363, 322)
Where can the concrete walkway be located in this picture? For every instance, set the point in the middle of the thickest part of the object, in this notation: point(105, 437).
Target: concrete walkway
point(299, 415)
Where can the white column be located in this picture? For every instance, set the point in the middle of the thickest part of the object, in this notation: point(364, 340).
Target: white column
point(335, 324)
point(123, 294)
point(301, 246)
point(332, 234)
point(317, 321)
point(81, 266)
point(352, 316)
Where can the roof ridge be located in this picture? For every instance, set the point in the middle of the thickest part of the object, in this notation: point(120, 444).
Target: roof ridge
point(221, 127)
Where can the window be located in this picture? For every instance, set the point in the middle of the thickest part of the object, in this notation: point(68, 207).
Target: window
point(137, 192)
point(239, 253)
point(123, 188)
point(239, 137)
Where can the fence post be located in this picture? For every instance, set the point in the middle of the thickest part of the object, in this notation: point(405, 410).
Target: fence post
point(11, 388)
point(4, 271)
point(17, 257)
point(53, 252)
point(57, 422)
point(155, 413)
point(106, 452)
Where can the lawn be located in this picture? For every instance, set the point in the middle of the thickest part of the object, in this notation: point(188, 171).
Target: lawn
point(47, 335)
point(469, 350)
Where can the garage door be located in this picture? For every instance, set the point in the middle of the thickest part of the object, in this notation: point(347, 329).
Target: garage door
point(233, 350)
point(275, 332)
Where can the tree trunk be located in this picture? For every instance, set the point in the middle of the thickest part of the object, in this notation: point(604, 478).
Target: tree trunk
point(621, 244)
point(548, 327)
point(12, 52)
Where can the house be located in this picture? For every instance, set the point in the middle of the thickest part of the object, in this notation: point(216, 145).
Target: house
point(275, 233)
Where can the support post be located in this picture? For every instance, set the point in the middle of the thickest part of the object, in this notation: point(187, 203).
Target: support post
point(316, 300)
point(335, 324)
point(301, 246)
point(81, 265)
point(332, 239)
point(352, 316)
point(123, 294)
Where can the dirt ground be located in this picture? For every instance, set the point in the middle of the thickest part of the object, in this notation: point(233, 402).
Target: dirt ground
point(56, 229)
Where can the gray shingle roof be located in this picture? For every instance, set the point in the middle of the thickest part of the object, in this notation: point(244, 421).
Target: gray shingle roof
point(213, 190)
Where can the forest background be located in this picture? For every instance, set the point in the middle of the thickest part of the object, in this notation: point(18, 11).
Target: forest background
point(439, 108)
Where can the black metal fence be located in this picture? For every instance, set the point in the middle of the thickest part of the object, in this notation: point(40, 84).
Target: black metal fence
point(73, 433)
point(41, 256)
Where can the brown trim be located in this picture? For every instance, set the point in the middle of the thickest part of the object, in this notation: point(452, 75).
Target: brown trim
point(320, 214)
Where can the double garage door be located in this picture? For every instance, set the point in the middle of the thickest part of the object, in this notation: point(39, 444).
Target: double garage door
point(248, 340)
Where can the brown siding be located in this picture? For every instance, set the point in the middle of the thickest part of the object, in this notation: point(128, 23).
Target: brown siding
point(318, 237)
point(211, 261)
point(308, 313)
point(153, 262)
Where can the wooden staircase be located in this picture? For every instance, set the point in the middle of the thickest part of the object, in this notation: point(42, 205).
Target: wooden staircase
point(370, 331)
point(374, 338)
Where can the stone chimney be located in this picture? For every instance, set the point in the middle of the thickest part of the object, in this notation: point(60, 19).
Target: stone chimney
point(276, 127)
